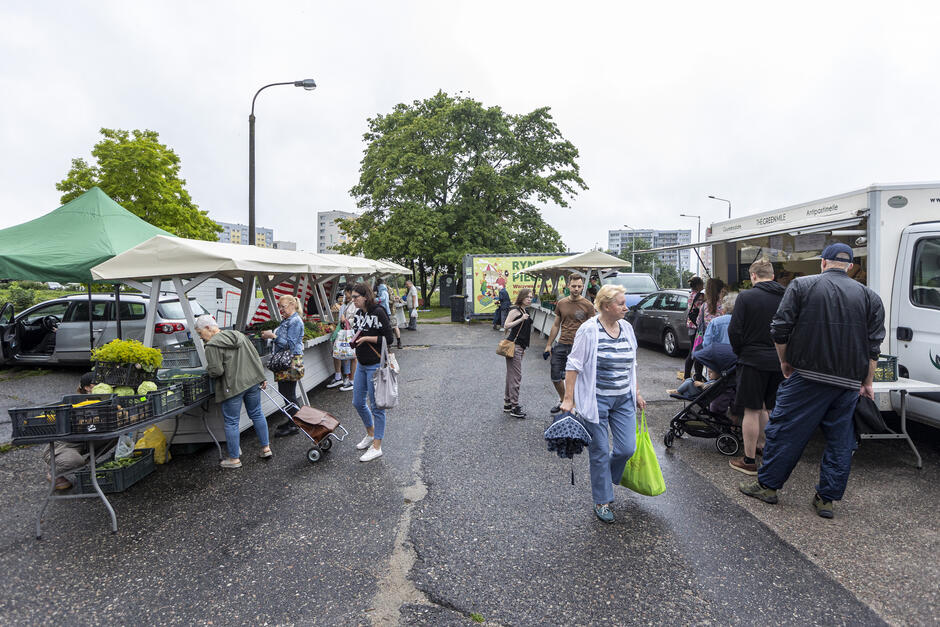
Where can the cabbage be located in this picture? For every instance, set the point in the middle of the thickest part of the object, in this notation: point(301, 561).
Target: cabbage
point(102, 388)
point(146, 387)
point(124, 391)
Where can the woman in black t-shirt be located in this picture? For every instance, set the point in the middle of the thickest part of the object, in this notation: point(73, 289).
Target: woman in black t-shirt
point(518, 325)
point(370, 324)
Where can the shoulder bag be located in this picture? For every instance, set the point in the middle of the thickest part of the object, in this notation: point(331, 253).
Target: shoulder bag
point(385, 380)
point(507, 346)
point(280, 361)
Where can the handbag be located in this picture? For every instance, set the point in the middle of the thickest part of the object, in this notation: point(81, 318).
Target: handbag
point(507, 346)
point(385, 380)
point(642, 473)
point(279, 361)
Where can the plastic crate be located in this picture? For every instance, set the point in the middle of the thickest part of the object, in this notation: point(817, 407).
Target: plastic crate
point(40, 423)
point(887, 368)
point(261, 345)
point(113, 414)
point(196, 383)
point(117, 374)
point(167, 399)
point(179, 356)
point(118, 479)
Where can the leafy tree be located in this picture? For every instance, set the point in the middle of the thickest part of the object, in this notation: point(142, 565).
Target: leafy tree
point(686, 275)
point(644, 262)
point(667, 276)
point(141, 175)
point(446, 176)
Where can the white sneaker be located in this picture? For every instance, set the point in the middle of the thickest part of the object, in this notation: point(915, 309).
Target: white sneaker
point(365, 443)
point(347, 386)
point(334, 383)
point(371, 454)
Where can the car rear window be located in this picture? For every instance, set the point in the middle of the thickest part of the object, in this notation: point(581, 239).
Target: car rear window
point(634, 284)
point(173, 310)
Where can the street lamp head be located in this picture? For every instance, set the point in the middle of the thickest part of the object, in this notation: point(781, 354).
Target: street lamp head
point(711, 196)
point(308, 83)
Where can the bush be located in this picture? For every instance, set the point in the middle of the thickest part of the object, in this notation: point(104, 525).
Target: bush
point(30, 285)
point(21, 298)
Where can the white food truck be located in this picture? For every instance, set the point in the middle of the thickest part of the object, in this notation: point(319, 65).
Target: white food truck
point(894, 231)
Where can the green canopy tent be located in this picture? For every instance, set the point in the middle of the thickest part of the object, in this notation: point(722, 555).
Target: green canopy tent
point(65, 244)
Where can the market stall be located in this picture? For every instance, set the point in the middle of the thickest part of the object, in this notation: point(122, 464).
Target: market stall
point(549, 280)
point(187, 263)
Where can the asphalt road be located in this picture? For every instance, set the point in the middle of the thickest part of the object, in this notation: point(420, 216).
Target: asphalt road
point(467, 517)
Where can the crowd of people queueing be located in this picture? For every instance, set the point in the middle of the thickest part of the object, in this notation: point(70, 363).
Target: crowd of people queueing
point(802, 357)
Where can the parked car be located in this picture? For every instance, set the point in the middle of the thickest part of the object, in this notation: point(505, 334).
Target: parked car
point(660, 318)
point(636, 284)
point(57, 331)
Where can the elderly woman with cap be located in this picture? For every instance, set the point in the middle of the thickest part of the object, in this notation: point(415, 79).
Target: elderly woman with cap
point(239, 378)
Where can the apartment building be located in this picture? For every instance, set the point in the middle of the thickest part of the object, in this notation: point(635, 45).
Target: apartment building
point(238, 234)
point(328, 233)
point(618, 239)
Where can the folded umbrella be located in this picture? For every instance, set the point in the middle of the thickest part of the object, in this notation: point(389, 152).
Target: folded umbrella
point(567, 437)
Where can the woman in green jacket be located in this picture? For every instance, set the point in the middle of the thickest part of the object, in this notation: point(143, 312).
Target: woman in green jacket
point(239, 378)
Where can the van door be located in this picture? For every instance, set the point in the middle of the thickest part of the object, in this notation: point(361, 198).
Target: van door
point(915, 324)
point(6, 331)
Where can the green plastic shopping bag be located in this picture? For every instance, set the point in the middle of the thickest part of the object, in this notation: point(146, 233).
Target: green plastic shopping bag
point(642, 473)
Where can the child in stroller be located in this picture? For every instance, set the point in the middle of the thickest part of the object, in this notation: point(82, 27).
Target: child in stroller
point(706, 412)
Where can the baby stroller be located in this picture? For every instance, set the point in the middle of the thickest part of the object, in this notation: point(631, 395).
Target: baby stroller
point(697, 418)
point(316, 424)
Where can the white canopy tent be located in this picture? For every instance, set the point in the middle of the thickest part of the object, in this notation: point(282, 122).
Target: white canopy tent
point(169, 258)
point(581, 263)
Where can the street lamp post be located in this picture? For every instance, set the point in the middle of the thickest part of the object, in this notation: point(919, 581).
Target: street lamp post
point(632, 247)
point(723, 200)
point(698, 239)
point(309, 84)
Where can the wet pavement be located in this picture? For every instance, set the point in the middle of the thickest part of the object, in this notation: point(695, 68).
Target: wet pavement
point(466, 518)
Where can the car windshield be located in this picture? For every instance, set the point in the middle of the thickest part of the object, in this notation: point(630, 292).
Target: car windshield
point(634, 283)
point(173, 310)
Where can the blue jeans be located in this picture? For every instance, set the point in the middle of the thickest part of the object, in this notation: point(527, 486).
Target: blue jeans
point(803, 405)
point(346, 366)
point(371, 415)
point(618, 413)
point(231, 414)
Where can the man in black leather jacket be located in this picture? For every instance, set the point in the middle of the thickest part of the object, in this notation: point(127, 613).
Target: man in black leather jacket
point(828, 332)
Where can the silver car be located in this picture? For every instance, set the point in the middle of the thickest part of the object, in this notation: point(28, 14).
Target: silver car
point(57, 331)
point(660, 318)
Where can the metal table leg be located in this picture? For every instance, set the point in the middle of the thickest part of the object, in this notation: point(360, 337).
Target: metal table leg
point(205, 423)
point(51, 495)
point(920, 463)
point(94, 484)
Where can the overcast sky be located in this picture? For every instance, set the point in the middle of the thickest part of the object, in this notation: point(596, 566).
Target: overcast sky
point(766, 104)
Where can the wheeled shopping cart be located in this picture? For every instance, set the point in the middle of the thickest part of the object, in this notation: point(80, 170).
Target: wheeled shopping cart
point(316, 424)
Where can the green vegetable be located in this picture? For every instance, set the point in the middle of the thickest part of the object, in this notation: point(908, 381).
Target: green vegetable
point(147, 387)
point(124, 391)
point(129, 352)
point(102, 388)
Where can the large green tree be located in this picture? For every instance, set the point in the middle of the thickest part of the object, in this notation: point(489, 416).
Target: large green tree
point(141, 175)
point(446, 176)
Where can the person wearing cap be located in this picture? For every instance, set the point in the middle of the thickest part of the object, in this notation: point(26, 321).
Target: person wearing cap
point(233, 362)
point(827, 332)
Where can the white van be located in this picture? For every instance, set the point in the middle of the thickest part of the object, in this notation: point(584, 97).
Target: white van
point(894, 231)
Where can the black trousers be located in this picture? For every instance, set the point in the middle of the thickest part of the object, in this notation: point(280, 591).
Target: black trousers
point(288, 390)
point(690, 363)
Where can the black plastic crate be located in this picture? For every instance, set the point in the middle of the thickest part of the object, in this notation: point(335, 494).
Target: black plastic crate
point(112, 480)
point(261, 345)
point(887, 368)
point(195, 382)
point(180, 356)
point(116, 374)
point(40, 423)
point(167, 399)
point(114, 414)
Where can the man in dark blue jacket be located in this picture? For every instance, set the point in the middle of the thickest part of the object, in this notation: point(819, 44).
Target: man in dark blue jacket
point(828, 332)
point(502, 310)
point(758, 370)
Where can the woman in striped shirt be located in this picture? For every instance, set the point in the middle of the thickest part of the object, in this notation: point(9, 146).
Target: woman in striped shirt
point(601, 383)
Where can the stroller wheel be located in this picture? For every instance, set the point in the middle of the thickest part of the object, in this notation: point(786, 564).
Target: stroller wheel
point(325, 444)
point(727, 444)
point(314, 454)
point(668, 438)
